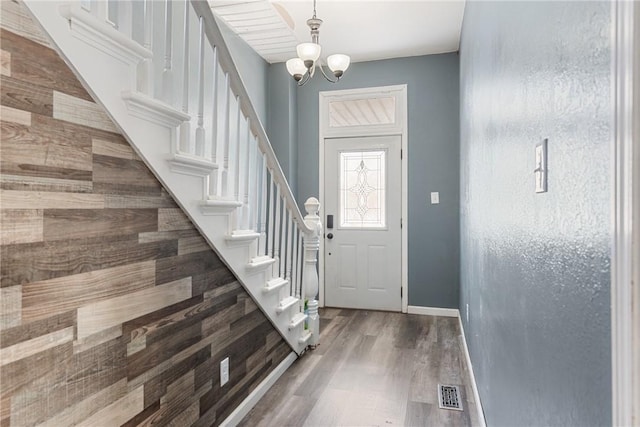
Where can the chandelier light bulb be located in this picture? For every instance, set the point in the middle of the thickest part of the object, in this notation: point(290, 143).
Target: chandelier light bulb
point(338, 63)
point(308, 52)
point(295, 67)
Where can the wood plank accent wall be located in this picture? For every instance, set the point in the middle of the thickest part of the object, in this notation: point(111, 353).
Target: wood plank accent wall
point(114, 310)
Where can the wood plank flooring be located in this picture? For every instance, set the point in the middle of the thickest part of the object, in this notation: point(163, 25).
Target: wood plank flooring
point(372, 368)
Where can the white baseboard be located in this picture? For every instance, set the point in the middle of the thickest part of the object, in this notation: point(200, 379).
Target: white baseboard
point(433, 311)
point(254, 397)
point(476, 395)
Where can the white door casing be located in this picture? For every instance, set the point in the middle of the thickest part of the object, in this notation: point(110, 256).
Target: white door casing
point(367, 112)
point(363, 246)
point(625, 269)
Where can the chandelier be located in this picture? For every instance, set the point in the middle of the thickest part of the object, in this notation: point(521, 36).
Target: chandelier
point(304, 66)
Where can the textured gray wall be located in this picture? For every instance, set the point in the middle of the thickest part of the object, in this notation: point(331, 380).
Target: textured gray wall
point(433, 103)
point(252, 68)
point(282, 120)
point(535, 267)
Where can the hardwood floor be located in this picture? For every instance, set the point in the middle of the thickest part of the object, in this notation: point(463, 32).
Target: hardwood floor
point(372, 368)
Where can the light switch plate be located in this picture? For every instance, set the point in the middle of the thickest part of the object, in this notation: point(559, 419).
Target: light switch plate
point(435, 197)
point(541, 167)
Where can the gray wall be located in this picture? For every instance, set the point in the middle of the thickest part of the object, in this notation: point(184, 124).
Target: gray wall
point(535, 267)
point(282, 120)
point(252, 68)
point(433, 103)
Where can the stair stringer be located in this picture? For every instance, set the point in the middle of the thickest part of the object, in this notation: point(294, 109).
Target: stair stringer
point(107, 78)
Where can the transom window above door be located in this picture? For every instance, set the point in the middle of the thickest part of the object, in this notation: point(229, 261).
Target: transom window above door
point(367, 111)
point(362, 112)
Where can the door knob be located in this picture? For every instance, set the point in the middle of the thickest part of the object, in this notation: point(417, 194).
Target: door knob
point(330, 236)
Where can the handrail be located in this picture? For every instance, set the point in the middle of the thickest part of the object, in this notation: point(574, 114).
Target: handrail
point(203, 9)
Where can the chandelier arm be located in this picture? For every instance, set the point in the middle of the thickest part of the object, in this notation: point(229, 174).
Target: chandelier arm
point(327, 77)
point(304, 79)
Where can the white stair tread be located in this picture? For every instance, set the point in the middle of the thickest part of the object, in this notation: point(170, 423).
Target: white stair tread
point(260, 262)
point(297, 320)
point(153, 110)
point(242, 236)
point(286, 303)
point(192, 165)
point(218, 206)
point(305, 336)
point(275, 284)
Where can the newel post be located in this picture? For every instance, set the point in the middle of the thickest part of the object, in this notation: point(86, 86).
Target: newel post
point(310, 272)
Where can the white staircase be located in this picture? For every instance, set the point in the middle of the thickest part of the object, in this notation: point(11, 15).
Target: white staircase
point(162, 71)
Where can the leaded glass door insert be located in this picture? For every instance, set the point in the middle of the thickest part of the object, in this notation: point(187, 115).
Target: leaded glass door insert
point(362, 189)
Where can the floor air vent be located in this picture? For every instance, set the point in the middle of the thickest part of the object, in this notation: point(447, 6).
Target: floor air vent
point(449, 397)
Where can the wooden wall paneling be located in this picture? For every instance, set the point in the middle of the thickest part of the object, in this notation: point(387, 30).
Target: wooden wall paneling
point(64, 224)
point(25, 96)
point(47, 144)
point(118, 412)
point(169, 269)
point(31, 330)
point(10, 307)
point(71, 380)
point(155, 236)
point(14, 115)
point(118, 172)
point(80, 111)
point(112, 149)
point(51, 200)
point(40, 65)
point(5, 62)
point(115, 311)
point(189, 245)
point(82, 410)
point(39, 183)
point(21, 226)
point(15, 18)
point(173, 219)
point(48, 260)
point(100, 315)
point(156, 387)
point(82, 344)
point(35, 345)
point(211, 278)
point(54, 296)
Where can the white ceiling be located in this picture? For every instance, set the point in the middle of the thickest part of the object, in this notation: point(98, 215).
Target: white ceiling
point(363, 29)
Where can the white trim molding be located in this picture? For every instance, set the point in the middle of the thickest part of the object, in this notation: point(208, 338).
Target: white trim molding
point(398, 127)
point(433, 311)
point(254, 397)
point(625, 273)
point(474, 386)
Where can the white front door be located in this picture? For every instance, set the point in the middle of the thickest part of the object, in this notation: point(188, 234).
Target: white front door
point(363, 250)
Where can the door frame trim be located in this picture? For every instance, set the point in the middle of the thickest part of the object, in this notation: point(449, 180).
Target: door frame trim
point(400, 129)
point(625, 276)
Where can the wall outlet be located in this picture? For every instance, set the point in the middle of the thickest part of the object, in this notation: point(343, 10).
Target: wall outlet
point(467, 313)
point(224, 372)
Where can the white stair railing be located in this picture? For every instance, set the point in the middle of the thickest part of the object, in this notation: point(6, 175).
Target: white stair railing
point(181, 78)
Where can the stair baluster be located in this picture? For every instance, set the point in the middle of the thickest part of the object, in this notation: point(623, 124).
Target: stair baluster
point(145, 69)
point(262, 242)
point(213, 178)
point(277, 236)
point(167, 73)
